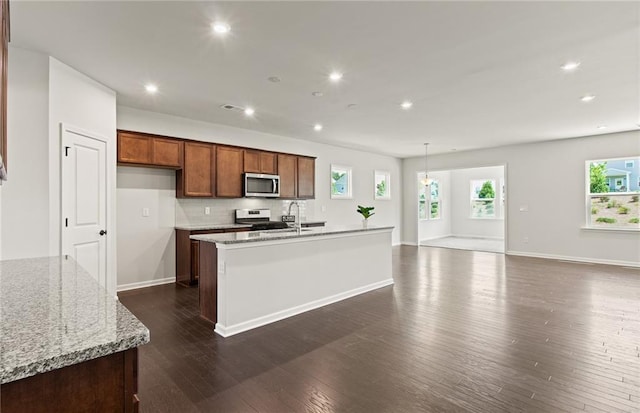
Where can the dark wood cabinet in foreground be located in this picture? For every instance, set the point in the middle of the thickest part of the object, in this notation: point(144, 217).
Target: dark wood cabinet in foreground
point(107, 384)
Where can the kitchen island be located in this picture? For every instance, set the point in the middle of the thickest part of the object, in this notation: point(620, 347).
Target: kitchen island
point(249, 279)
point(67, 345)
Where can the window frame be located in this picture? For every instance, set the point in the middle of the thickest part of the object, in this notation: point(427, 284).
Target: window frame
point(387, 179)
point(428, 198)
point(349, 174)
point(473, 198)
point(589, 196)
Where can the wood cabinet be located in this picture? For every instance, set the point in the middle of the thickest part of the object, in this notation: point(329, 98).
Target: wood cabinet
point(197, 177)
point(260, 162)
point(105, 384)
point(188, 253)
point(4, 62)
point(287, 169)
point(297, 176)
point(306, 177)
point(149, 150)
point(229, 169)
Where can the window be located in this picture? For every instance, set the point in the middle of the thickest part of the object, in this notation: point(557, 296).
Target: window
point(340, 182)
point(381, 182)
point(483, 194)
point(613, 188)
point(428, 197)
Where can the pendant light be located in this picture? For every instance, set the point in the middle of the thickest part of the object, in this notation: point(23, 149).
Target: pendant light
point(426, 181)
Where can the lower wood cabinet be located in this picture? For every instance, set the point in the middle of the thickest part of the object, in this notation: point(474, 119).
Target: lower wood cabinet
point(187, 253)
point(107, 384)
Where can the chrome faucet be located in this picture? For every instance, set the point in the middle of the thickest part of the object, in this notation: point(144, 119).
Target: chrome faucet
point(297, 225)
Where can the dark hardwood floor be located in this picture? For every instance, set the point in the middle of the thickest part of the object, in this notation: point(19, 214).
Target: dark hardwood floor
point(459, 331)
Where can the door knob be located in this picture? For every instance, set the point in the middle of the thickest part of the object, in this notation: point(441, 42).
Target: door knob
point(102, 232)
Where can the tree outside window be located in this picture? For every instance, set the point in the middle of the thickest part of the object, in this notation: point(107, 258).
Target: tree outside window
point(483, 196)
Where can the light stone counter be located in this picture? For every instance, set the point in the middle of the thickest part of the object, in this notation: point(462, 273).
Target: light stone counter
point(53, 314)
point(284, 234)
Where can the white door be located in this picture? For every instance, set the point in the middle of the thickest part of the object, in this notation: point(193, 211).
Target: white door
point(84, 201)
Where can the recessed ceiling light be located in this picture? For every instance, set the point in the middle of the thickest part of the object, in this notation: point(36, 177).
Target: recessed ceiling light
point(151, 88)
point(602, 126)
point(317, 127)
point(317, 94)
point(335, 76)
point(406, 105)
point(587, 98)
point(249, 111)
point(570, 66)
point(274, 79)
point(220, 27)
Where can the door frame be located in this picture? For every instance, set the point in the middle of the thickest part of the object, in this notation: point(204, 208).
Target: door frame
point(109, 262)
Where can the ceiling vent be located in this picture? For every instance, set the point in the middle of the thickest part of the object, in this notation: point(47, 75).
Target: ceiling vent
point(232, 107)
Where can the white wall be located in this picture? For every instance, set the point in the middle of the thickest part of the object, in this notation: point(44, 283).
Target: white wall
point(555, 213)
point(436, 228)
point(335, 211)
point(462, 224)
point(25, 196)
point(77, 100)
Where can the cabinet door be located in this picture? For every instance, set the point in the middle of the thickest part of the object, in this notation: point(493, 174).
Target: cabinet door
point(167, 152)
point(229, 168)
point(306, 177)
point(251, 161)
point(197, 175)
point(133, 148)
point(268, 163)
point(287, 167)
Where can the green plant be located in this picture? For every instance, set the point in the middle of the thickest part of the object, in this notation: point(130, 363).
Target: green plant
point(623, 210)
point(598, 178)
point(381, 188)
point(606, 220)
point(612, 204)
point(487, 190)
point(634, 221)
point(594, 210)
point(634, 198)
point(365, 211)
point(604, 199)
point(335, 177)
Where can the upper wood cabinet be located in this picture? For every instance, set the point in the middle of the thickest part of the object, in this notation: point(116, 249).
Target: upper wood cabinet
point(197, 178)
point(287, 169)
point(229, 169)
point(4, 63)
point(260, 162)
point(149, 150)
point(306, 177)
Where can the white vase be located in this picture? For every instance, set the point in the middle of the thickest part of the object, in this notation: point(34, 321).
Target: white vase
point(365, 223)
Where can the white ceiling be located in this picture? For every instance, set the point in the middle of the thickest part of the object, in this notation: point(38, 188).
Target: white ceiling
point(480, 74)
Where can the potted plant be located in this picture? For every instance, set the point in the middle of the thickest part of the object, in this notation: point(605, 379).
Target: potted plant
point(366, 212)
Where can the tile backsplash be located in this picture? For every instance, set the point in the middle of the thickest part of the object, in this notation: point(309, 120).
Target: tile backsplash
point(190, 211)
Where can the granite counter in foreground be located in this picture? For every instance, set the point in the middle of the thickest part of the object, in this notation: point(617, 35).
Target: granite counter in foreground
point(283, 234)
point(53, 314)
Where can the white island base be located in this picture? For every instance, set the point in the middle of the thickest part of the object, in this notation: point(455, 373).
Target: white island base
point(263, 281)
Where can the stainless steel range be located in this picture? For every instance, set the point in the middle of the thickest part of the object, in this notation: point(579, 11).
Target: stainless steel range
point(259, 219)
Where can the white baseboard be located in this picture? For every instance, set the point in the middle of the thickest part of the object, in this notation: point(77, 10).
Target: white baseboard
point(226, 331)
point(413, 244)
point(143, 284)
point(575, 259)
point(476, 237)
point(437, 237)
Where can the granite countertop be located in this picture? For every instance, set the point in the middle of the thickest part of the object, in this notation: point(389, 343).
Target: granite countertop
point(204, 227)
point(279, 234)
point(53, 314)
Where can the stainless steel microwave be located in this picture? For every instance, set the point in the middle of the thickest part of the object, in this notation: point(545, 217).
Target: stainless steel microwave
point(261, 185)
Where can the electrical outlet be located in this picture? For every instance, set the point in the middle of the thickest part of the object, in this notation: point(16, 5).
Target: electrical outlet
point(207, 210)
point(525, 240)
point(524, 208)
point(145, 212)
point(221, 267)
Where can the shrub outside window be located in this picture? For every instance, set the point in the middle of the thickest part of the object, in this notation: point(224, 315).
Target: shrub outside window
point(613, 188)
point(483, 198)
point(340, 182)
